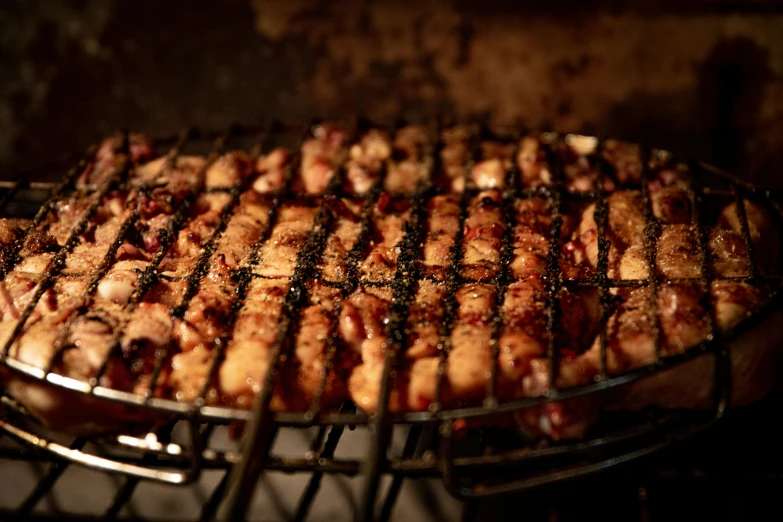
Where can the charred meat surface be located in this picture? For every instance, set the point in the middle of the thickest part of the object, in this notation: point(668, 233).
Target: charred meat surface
point(178, 283)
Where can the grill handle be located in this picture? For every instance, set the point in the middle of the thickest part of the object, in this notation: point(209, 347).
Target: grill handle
point(76, 456)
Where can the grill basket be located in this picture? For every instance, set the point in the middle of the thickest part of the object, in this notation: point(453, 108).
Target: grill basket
point(387, 447)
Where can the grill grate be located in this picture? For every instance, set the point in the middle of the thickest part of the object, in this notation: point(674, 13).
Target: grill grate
point(182, 462)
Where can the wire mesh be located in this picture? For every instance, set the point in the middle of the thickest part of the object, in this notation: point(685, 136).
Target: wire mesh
point(257, 456)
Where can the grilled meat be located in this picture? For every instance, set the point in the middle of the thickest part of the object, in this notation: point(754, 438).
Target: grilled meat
point(178, 292)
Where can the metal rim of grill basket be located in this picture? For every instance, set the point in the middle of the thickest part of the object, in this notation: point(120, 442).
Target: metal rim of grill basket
point(184, 463)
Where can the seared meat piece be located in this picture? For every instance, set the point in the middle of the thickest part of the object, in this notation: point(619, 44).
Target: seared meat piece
point(62, 217)
point(317, 326)
point(442, 227)
point(406, 169)
point(342, 240)
point(625, 219)
point(684, 321)
point(366, 160)
point(203, 220)
point(524, 331)
point(362, 330)
point(271, 171)
point(625, 159)
point(11, 230)
point(579, 168)
point(762, 230)
point(483, 234)
point(80, 358)
point(132, 259)
point(424, 321)
point(166, 292)
point(205, 318)
point(243, 229)
point(18, 288)
point(728, 253)
point(467, 366)
point(170, 182)
point(140, 150)
point(732, 301)
point(247, 355)
point(146, 337)
point(319, 158)
point(229, 170)
point(468, 363)
point(490, 172)
point(531, 238)
point(671, 206)
point(666, 173)
point(677, 255)
point(454, 156)
point(532, 162)
point(96, 241)
point(118, 284)
point(381, 260)
point(278, 254)
point(246, 359)
point(624, 228)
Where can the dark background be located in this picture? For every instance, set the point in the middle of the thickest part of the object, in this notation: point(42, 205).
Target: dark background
point(700, 76)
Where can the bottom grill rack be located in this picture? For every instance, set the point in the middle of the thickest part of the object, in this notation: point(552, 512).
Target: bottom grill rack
point(729, 473)
point(321, 463)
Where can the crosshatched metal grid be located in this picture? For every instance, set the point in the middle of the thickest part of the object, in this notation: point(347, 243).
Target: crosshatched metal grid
point(177, 464)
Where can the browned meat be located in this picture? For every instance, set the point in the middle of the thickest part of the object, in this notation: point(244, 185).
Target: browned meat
point(108, 155)
point(531, 238)
point(454, 157)
point(581, 173)
point(762, 230)
point(624, 228)
point(271, 171)
point(207, 343)
point(625, 159)
point(381, 260)
point(366, 160)
point(483, 233)
point(11, 230)
point(728, 253)
point(671, 206)
point(424, 321)
point(204, 217)
point(532, 163)
point(677, 255)
point(306, 370)
point(278, 254)
point(319, 157)
point(243, 229)
point(467, 365)
point(406, 169)
point(229, 170)
point(442, 227)
point(490, 172)
point(524, 332)
point(342, 240)
point(361, 328)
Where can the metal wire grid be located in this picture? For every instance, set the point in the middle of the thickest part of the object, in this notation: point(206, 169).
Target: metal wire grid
point(264, 422)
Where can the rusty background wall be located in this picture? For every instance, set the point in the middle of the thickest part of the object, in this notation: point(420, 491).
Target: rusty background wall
point(700, 76)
